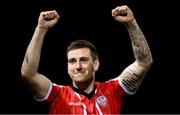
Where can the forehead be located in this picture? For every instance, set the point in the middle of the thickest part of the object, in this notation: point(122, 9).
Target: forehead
point(81, 52)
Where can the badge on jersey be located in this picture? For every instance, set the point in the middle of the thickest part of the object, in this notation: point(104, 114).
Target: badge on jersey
point(102, 101)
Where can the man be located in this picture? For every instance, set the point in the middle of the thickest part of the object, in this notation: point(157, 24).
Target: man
point(86, 96)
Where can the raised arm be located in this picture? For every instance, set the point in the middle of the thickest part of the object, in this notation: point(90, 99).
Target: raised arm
point(37, 82)
point(133, 75)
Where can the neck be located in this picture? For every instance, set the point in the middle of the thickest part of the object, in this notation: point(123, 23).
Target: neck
point(87, 86)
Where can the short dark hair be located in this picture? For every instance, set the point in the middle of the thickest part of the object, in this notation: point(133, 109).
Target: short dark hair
point(80, 43)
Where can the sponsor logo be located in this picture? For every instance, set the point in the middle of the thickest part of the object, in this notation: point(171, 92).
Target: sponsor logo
point(102, 101)
point(75, 103)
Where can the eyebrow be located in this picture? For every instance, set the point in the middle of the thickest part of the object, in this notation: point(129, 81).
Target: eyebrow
point(81, 58)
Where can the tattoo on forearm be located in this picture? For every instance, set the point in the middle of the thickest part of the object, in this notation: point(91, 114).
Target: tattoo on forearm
point(131, 85)
point(140, 47)
point(131, 27)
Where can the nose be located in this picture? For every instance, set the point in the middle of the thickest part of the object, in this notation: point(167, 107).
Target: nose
point(78, 66)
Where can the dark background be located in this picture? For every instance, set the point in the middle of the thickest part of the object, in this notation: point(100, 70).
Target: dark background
point(91, 19)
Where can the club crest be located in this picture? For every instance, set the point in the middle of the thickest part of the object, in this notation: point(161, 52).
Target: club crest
point(102, 101)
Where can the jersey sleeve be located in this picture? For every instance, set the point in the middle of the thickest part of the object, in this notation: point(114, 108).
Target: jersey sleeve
point(53, 91)
point(117, 87)
point(123, 86)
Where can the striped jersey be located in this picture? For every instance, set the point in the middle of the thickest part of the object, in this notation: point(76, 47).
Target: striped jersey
point(107, 98)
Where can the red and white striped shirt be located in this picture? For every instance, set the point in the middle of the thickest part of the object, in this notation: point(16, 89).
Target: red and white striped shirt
point(107, 99)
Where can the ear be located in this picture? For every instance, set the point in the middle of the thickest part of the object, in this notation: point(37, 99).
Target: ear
point(96, 64)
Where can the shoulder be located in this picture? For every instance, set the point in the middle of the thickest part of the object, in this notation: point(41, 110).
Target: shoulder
point(60, 87)
point(112, 85)
point(58, 91)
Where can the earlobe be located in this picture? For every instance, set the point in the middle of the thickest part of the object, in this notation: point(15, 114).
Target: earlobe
point(96, 64)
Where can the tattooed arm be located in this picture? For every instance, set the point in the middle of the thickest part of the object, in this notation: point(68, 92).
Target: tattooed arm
point(133, 75)
point(38, 83)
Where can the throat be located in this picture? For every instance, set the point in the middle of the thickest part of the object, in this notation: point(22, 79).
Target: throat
point(88, 95)
point(86, 87)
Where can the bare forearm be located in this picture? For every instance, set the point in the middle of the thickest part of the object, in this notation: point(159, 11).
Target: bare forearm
point(32, 56)
point(134, 74)
point(140, 47)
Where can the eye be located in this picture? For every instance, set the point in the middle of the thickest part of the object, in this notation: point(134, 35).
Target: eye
point(72, 61)
point(84, 59)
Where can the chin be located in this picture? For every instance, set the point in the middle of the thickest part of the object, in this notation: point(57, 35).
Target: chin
point(80, 80)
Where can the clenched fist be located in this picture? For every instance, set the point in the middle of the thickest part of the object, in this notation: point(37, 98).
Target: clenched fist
point(122, 14)
point(48, 19)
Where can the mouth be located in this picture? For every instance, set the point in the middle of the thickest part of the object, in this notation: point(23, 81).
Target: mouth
point(78, 73)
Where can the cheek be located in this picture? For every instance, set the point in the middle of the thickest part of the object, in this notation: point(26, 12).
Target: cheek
point(69, 69)
point(90, 68)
